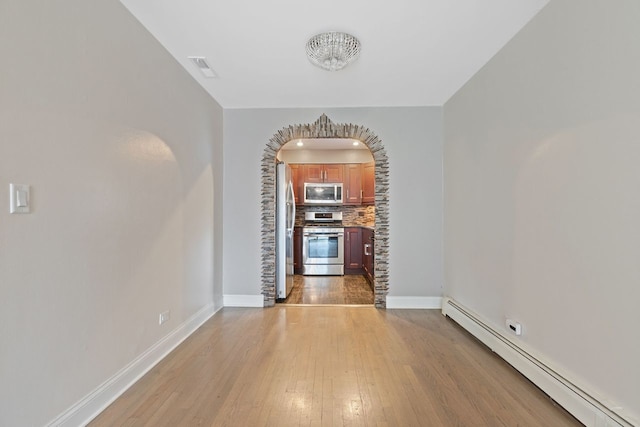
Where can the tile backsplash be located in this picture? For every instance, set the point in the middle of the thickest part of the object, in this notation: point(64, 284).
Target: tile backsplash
point(351, 215)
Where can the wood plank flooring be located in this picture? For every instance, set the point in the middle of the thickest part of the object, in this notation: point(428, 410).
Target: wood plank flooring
point(332, 366)
point(350, 289)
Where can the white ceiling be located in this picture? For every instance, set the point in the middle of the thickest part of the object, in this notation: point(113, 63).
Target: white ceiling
point(414, 52)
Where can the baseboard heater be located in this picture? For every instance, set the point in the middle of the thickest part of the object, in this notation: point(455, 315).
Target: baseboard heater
point(582, 405)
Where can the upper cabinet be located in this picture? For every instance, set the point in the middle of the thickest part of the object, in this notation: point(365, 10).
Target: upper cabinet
point(358, 180)
point(323, 173)
point(298, 183)
point(368, 183)
point(353, 184)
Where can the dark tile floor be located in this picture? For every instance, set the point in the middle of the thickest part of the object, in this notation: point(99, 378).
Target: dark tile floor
point(330, 290)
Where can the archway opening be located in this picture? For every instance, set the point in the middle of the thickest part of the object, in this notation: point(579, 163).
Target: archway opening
point(325, 128)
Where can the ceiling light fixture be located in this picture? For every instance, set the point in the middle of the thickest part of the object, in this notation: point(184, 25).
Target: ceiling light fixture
point(333, 51)
point(299, 143)
point(355, 143)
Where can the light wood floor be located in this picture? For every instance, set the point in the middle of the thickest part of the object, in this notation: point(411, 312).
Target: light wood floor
point(351, 289)
point(332, 366)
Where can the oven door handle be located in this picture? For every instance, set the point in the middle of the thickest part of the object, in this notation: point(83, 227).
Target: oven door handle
point(316, 236)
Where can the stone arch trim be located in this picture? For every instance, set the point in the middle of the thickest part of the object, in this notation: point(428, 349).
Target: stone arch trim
point(325, 128)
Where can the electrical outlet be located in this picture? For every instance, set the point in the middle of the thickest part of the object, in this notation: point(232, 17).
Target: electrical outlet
point(514, 326)
point(164, 316)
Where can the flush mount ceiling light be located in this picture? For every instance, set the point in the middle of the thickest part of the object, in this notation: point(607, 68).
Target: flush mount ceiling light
point(333, 51)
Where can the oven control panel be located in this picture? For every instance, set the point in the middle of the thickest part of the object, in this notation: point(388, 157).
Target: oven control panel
point(323, 216)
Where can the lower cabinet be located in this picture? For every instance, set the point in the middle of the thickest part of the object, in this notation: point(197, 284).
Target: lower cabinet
point(297, 250)
point(359, 252)
point(353, 250)
point(368, 261)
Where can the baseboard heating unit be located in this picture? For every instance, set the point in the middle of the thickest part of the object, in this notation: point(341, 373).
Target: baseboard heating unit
point(578, 402)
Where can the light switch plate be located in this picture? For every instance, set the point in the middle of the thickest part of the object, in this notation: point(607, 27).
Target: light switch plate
point(20, 199)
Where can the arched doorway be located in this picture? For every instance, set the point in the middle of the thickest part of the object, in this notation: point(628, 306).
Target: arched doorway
point(325, 128)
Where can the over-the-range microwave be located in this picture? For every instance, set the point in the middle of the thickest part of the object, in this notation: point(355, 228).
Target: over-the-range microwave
point(316, 193)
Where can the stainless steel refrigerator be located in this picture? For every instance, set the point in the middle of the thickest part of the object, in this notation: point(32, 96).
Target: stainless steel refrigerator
point(285, 218)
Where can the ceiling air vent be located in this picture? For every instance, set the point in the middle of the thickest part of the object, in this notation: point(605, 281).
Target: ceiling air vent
point(203, 66)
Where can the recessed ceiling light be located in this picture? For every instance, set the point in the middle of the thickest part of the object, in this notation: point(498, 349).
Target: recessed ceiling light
point(203, 66)
point(299, 143)
point(355, 143)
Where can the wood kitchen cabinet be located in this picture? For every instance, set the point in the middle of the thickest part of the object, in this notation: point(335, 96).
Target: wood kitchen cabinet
point(368, 183)
point(298, 183)
point(323, 173)
point(297, 250)
point(358, 180)
point(368, 261)
point(352, 184)
point(353, 250)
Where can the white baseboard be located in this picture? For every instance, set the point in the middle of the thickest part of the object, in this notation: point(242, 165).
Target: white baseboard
point(575, 399)
point(414, 302)
point(243, 300)
point(95, 402)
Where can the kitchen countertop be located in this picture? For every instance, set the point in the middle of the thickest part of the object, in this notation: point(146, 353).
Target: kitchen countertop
point(369, 227)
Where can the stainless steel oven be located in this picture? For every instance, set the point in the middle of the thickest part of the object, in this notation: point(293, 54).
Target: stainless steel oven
point(323, 244)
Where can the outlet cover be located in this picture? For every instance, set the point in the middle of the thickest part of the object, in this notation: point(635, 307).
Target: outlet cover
point(164, 316)
point(514, 327)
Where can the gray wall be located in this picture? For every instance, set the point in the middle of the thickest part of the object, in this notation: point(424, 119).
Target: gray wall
point(413, 140)
point(123, 151)
point(542, 206)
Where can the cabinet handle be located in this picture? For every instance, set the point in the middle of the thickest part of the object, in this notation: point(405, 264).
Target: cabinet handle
point(366, 249)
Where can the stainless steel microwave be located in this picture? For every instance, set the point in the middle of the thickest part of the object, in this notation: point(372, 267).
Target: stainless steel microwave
point(316, 193)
